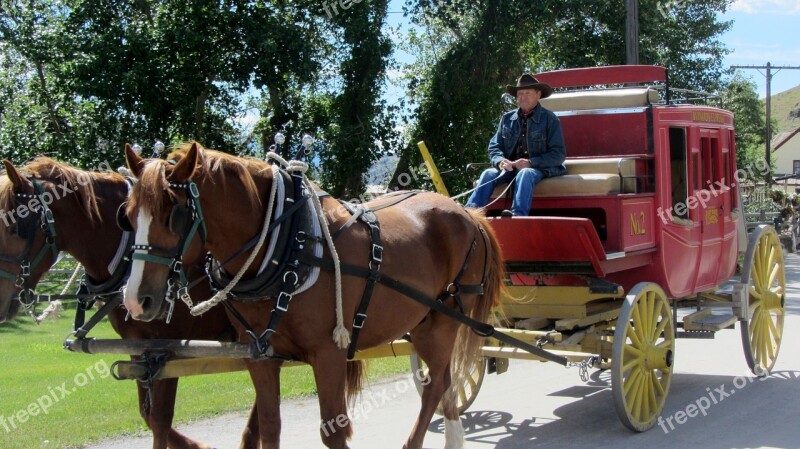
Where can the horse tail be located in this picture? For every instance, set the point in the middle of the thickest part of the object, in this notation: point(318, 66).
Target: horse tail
point(354, 379)
point(468, 343)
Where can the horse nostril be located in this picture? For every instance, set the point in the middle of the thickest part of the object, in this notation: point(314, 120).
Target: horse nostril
point(145, 301)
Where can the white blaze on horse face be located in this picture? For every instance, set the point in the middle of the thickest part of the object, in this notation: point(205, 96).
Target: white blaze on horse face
point(137, 267)
point(453, 434)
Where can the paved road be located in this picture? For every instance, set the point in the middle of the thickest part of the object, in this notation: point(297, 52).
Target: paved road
point(544, 405)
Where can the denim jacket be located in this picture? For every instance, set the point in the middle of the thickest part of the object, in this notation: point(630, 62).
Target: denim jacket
point(545, 141)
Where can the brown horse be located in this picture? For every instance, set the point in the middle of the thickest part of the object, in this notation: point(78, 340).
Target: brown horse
point(84, 206)
point(426, 240)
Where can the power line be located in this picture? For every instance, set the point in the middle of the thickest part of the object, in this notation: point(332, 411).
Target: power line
point(769, 67)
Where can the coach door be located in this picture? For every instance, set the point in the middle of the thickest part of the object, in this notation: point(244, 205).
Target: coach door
point(709, 204)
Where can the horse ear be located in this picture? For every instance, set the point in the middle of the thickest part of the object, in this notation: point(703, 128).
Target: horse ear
point(134, 161)
point(184, 169)
point(18, 180)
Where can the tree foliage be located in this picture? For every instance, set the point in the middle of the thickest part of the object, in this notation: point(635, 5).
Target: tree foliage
point(85, 76)
point(740, 96)
point(494, 41)
point(81, 77)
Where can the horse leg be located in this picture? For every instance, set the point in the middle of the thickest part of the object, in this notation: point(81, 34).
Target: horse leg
point(433, 341)
point(250, 436)
point(159, 415)
point(266, 379)
point(330, 375)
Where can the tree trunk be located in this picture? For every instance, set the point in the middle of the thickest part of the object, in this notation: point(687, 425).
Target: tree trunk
point(200, 111)
point(51, 110)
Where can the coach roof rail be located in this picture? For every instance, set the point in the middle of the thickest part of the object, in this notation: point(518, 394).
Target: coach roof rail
point(615, 74)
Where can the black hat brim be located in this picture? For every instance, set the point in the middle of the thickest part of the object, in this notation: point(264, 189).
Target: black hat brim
point(545, 89)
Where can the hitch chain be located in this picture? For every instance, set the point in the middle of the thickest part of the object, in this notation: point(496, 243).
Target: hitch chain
point(583, 367)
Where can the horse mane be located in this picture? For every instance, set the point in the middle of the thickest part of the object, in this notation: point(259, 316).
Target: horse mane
point(212, 166)
point(59, 173)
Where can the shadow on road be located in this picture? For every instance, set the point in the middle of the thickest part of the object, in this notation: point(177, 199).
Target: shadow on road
point(699, 408)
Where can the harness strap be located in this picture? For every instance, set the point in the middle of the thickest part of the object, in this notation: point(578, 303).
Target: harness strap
point(376, 257)
point(456, 284)
point(256, 347)
point(81, 331)
point(482, 329)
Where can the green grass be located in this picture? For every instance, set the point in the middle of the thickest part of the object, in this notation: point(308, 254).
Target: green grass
point(34, 368)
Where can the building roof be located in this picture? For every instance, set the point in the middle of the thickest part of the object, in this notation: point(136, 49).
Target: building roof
point(779, 140)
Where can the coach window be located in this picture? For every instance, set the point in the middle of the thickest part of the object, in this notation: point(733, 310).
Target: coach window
point(678, 167)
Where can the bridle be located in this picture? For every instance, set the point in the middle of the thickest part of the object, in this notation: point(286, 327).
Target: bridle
point(185, 220)
point(25, 228)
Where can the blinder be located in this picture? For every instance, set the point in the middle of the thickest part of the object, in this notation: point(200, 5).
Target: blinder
point(122, 218)
point(25, 228)
point(180, 219)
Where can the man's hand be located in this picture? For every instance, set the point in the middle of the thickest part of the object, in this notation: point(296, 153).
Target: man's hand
point(519, 164)
point(505, 165)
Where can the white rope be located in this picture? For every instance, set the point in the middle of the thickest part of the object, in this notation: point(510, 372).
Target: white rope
point(502, 194)
point(72, 279)
point(340, 334)
point(484, 184)
point(222, 295)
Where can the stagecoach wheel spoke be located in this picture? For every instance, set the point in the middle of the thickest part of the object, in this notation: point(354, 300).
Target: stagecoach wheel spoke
point(764, 271)
point(467, 391)
point(642, 356)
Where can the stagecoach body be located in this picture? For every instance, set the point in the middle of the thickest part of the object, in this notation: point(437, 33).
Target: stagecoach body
point(650, 193)
point(647, 221)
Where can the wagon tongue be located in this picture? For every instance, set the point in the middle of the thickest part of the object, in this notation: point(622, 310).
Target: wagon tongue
point(550, 243)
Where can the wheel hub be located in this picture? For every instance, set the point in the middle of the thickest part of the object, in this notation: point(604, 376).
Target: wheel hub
point(658, 358)
point(773, 301)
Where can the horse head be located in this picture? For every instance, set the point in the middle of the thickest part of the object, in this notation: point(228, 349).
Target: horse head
point(27, 238)
point(163, 211)
point(168, 208)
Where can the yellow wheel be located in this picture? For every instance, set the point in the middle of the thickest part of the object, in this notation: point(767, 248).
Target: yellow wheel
point(468, 390)
point(641, 356)
point(764, 272)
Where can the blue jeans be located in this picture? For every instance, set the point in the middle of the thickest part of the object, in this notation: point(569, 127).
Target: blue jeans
point(526, 179)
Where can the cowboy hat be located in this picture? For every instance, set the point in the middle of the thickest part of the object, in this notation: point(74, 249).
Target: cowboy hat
point(528, 81)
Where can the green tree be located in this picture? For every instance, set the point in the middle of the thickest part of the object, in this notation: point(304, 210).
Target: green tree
point(494, 41)
point(749, 117)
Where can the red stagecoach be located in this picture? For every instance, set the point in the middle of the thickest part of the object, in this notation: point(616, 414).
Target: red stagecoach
point(646, 224)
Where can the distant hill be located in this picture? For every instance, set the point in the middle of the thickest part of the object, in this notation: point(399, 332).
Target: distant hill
point(786, 109)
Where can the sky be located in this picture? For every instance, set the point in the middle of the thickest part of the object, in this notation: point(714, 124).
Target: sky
point(765, 31)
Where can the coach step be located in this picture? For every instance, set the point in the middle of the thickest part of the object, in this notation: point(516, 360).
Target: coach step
point(705, 320)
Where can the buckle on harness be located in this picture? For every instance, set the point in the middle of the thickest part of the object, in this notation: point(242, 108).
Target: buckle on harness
point(193, 190)
point(282, 302)
point(377, 253)
point(293, 273)
point(177, 266)
point(358, 321)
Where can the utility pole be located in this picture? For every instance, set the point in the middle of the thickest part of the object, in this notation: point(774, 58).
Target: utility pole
point(632, 32)
point(769, 67)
